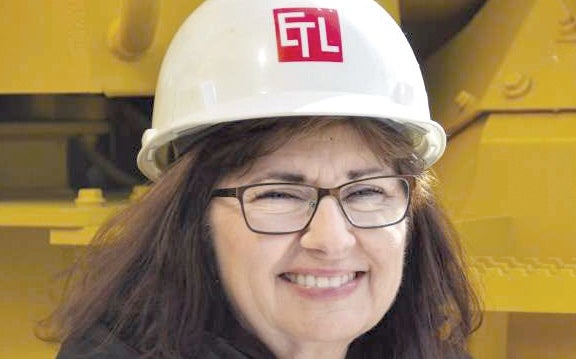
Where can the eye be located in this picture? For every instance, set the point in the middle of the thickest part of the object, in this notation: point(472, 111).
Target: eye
point(275, 194)
point(364, 192)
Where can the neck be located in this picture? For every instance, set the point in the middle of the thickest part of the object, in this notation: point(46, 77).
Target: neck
point(324, 350)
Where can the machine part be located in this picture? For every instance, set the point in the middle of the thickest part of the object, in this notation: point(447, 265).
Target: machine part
point(503, 88)
point(570, 5)
point(138, 192)
point(67, 136)
point(43, 143)
point(525, 70)
point(132, 33)
point(468, 113)
point(61, 47)
point(90, 197)
point(431, 23)
point(567, 28)
point(517, 166)
point(524, 284)
point(435, 10)
point(517, 85)
point(342, 68)
point(107, 166)
point(68, 107)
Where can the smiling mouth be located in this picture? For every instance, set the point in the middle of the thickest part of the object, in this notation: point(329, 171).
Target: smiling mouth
point(310, 281)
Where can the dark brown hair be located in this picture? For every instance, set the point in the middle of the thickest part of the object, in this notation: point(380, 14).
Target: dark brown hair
point(150, 275)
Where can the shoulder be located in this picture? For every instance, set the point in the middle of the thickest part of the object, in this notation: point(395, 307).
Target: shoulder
point(96, 343)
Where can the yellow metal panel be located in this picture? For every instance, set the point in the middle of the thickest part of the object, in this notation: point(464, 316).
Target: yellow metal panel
point(472, 58)
point(525, 336)
point(17, 169)
point(491, 340)
point(541, 336)
point(68, 222)
point(44, 45)
point(61, 47)
point(508, 181)
point(511, 284)
point(570, 5)
point(393, 8)
point(73, 236)
point(25, 130)
point(520, 167)
point(538, 69)
point(58, 215)
point(433, 10)
point(38, 240)
point(491, 236)
point(514, 55)
point(504, 87)
point(28, 264)
point(133, 31)
point(64, 46)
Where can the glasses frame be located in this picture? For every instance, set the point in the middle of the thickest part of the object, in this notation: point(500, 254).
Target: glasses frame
point(238, 193)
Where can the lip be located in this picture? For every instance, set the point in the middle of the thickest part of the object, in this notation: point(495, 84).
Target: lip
point(329, 293)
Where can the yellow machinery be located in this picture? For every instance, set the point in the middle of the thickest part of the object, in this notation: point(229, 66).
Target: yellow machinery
point(502, 80)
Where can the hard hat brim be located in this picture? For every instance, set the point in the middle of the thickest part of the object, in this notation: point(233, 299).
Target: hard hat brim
point(291, 105)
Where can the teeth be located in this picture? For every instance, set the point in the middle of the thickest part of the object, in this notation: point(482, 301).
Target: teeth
point(322, 282)
point(311, 281)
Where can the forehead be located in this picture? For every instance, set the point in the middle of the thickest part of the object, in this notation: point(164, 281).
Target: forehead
point(325, 155)
point(328, 139)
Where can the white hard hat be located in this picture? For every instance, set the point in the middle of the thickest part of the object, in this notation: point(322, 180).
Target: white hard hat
point(237, 59)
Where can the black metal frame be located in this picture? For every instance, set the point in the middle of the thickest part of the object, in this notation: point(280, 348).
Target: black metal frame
point(238, 193)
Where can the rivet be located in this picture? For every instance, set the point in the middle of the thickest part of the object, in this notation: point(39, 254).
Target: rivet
point(567, 31)
point(517, 85)
point(90, 196)
point(568, 19)
point(568, 24)
point(463, 99)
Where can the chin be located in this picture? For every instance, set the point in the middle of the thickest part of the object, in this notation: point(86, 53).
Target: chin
point(334, 330)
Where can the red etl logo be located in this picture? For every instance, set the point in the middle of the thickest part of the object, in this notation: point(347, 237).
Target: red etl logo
point(308, 34)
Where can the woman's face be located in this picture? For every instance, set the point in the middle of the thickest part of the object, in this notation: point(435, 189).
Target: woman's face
point(256, 269)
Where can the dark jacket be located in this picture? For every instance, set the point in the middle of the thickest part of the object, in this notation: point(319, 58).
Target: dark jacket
point(99, 344)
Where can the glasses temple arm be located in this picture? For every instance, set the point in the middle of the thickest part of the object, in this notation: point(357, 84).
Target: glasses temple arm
point(224, 192)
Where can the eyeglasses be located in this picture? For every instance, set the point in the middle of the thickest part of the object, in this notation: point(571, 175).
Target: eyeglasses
point(282, 208)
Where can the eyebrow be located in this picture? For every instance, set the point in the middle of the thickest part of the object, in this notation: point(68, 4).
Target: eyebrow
point(282, 176)
point(356, 174)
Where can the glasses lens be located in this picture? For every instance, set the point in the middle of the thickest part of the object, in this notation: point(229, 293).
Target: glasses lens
point(278, 208)
point(375, 202)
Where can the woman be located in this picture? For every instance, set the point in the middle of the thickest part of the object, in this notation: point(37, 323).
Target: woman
point(293, 223)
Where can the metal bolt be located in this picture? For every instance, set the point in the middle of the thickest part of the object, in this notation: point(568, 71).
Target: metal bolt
point(517, 85)
point(567, 28)
point(90, 196)
point(463, 99)
point(568, 21)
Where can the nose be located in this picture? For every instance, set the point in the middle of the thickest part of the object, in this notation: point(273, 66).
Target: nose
point(329, 234)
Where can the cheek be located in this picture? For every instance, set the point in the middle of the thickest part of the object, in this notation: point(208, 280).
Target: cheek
point(247, 261)
point(228, 232)
point(232, 248)
point(387, 250)
point(389, 243)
